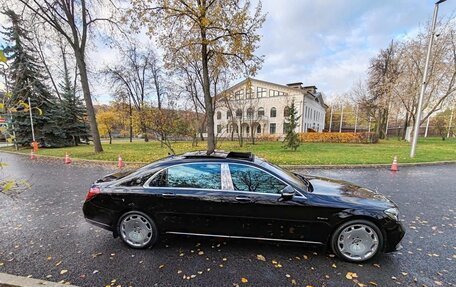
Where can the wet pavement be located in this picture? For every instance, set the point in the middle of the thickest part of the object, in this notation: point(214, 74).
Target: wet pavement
point(43, 235)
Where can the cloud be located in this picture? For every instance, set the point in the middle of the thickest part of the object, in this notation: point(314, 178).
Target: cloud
point(329, 43)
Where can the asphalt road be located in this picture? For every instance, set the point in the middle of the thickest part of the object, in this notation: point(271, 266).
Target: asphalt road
point(43, 235)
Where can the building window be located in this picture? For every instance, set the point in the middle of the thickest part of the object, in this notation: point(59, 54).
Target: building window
point(229, 114)
point(259, 129)
point(261, 92)
point(274, 93)
point(238, 113)
point(286, 112)
point(239, 95)
point(260, 112)
point(219, 115)
point(250, 113)
point(247, 129)
point(219, 129)
point(273, 113)
point(249, 93)
point(272, 128)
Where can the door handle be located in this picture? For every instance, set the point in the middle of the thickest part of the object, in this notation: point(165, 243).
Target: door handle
point(168, 194)
point(243, 198)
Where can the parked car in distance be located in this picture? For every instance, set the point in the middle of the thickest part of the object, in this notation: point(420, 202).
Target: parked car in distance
point(237, 195)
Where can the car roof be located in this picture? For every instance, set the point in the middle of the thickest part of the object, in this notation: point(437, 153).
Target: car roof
point(219, 155)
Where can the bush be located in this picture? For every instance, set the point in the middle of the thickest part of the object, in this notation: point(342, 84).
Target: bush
point(339, 137)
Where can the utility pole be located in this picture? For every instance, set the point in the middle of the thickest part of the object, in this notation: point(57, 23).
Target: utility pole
point(356, 118)
point(31, 119)
point(387, 119)
point(341, 118)
point(331, 120)
point(449, 124)
point(427, 127)
point(424, 82)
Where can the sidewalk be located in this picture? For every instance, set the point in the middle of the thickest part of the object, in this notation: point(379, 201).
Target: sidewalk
point(8, 280)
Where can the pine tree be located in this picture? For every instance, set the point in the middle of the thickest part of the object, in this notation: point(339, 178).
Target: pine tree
point(28, 82)
point(291, 122)
point(74, 124)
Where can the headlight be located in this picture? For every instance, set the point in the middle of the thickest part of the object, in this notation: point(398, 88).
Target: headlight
point(393, 213)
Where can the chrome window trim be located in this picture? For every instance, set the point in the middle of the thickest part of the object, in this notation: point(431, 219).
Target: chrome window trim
point(243, 237)
point(146, 184)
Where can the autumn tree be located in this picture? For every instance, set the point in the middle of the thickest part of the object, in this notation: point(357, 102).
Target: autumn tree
point(441, 81)
point(73, 20)
point(221, 34)
point(107, 121)
point(137, 77)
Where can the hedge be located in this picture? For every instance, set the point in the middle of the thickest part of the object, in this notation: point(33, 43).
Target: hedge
point(363, 137)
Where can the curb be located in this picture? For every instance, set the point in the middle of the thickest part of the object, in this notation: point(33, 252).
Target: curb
point(287, 166)
point(8, 280)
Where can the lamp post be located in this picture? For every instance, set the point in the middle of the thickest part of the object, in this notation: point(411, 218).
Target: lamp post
point(424, 83)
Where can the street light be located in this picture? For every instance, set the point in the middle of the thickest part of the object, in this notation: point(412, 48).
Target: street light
point(424, 83)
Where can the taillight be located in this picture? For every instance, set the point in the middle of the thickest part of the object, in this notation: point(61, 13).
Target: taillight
point(93, 191)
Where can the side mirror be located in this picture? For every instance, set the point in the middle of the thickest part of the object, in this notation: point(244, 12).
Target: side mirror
point(287, 193)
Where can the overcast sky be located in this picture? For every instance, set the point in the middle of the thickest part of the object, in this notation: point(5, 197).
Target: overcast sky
point(326, 43)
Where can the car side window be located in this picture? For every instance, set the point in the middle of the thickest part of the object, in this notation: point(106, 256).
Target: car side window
point(246, 178)
point(195, 175)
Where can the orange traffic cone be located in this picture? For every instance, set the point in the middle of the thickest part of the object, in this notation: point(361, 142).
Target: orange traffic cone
point(394, 166)
point(67, 159)
point(32, 155)
point(120, 162)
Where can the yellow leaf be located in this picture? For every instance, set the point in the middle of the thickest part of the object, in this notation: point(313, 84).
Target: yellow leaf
point(161, 266)
point(3, 59)
point(261, 257)
point(351, 275)
point(63, 271)
point(244, 280)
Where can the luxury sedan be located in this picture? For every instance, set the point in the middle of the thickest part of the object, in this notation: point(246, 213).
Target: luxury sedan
point(238, 195)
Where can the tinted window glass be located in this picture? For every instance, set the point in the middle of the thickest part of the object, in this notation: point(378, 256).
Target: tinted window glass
point(199, 175)
point(137, 180)
point(247, 178)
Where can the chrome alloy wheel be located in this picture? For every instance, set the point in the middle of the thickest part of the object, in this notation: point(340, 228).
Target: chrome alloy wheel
point(136, 230)
point(358, 242)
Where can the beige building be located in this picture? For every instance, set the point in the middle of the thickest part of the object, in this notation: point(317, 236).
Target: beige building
point(256, 107)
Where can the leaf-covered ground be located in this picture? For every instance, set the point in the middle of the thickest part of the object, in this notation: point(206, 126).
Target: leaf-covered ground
point(429, 149)
point(43, 235)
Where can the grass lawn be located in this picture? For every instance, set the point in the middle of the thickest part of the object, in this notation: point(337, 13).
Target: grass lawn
point(430, 149)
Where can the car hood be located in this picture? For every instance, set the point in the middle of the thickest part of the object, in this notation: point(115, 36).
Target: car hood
point(348, 192)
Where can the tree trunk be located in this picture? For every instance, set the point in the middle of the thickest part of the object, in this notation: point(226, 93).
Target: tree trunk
point(88, 101)
point(110, 138)
point(130, 112)
point(207, 96)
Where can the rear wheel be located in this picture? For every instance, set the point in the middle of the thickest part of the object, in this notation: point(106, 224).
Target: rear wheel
point(357, 241)
point(137, 230)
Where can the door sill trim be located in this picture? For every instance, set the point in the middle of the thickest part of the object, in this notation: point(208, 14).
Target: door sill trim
point(243, 237)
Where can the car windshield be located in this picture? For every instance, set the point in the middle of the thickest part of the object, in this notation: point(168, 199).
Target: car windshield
point(289, 176)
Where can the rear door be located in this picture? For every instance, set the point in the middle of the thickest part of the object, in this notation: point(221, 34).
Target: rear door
point(190, 197)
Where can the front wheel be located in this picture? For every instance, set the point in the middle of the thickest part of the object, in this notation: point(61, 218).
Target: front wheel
point(357, 241)
point(137, 230)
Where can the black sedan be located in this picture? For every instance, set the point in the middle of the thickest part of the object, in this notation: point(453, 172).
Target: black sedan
point(236, 195)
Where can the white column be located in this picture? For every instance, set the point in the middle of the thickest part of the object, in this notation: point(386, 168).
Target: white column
point(341, 119)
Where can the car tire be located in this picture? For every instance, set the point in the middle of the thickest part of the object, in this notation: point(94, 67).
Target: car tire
point(357, 241)
point(137, 230)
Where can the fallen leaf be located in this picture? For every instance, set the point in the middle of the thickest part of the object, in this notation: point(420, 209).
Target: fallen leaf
point(351, 275)
point(201, 253)
point(161, 266)
point(244, 280)
point(63, 271)
point(261, 257)
point(438, 283)
point(372, 283)
point(334, 265)
point(287, 275)
point(58, 263)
